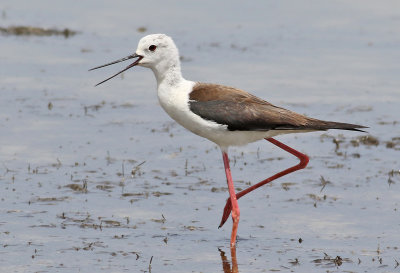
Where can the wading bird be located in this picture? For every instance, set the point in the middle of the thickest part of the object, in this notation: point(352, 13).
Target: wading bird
point(225, 115)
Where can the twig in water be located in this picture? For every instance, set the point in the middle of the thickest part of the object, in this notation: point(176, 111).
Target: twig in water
point(151, 259)
point(137, 168)
point(323, 183)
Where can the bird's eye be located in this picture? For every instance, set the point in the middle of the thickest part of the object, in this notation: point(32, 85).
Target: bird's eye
point(152, 48)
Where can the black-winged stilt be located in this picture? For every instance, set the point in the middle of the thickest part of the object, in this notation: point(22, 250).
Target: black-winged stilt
point(225, 115)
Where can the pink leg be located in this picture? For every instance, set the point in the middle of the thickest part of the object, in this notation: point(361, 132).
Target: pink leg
point(303, 163)
point(234, 207)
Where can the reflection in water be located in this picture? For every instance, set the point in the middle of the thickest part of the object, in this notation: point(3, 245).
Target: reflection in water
point(225, 263)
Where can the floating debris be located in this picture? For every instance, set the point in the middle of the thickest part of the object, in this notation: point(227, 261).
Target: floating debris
point(136, 169)
point(162, 220)
point(158, 194)
point(192, 228)
point(286, 185)
point(329, 261)
point(295, 262)
point(394, 143)
point(365, 140)
point(78, 188)
point(36, 31)
point(221, 189)
point(324, 182)
point(394, 175)
point(51, 199)
point(141, 29)
point(337, 143)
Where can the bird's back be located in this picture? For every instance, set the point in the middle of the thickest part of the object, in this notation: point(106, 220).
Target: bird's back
point(242, 111)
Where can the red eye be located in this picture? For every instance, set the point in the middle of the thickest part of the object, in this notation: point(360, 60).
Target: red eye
point(152, 47)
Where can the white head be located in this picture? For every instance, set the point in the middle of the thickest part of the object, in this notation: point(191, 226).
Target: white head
point(157, 49)
point(158, 52)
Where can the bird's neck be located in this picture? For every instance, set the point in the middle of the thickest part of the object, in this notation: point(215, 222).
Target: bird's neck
point(168, 73)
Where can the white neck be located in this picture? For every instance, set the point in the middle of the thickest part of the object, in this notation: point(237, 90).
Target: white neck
point(168, 73)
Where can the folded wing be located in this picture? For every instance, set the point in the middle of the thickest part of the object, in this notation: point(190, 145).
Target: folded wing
point(241, 111)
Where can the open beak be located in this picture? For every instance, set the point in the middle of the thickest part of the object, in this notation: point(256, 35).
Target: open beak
point(139, 57)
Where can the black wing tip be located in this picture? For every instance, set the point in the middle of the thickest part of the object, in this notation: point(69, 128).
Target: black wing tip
point(328, 125)
point(356, 129)
point(353, 127)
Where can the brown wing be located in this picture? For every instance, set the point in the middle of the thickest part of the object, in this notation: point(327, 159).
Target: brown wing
point(241, 111)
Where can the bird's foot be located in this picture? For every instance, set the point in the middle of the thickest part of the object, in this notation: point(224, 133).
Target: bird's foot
point(227, 212)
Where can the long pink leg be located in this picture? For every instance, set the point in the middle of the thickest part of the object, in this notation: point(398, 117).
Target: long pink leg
point(303, 163)
point(234, 207)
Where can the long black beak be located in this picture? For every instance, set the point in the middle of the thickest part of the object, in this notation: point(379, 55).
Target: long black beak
point(139, 57)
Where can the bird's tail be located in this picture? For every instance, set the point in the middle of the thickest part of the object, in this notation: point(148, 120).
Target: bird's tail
point(325, 125)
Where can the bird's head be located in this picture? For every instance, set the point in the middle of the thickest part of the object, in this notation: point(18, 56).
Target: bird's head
point(155, 51)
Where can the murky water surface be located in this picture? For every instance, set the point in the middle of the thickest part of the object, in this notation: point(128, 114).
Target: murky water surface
point(101, 180)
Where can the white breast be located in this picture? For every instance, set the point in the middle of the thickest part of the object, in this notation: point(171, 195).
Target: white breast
point(175, 101)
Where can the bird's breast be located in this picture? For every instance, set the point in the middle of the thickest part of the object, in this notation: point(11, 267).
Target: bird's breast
point(175, 101)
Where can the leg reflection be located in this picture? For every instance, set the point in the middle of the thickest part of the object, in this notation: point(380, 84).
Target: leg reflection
point(226, 266)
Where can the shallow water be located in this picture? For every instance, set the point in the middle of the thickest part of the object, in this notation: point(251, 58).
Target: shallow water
point(101, 180)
